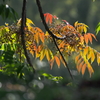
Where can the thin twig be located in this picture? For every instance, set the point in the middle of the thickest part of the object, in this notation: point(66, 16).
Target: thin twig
point(23, 25)
point(62, 57)
point(52, 35)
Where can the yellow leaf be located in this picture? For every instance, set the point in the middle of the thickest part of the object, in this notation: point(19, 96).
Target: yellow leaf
point(98, 58)
point(47, 54)
point(81, 27)
point(28, 21)
point(85, 29)
point(51, 54)
point(90, 69)
point(37, 54)
point(42, 54)
point(92, 56)
point(75, 24)
point(89, 55)
point(57, 61)
point(86, 50)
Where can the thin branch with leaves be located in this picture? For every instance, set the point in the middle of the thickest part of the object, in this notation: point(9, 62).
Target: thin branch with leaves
point(23, 25)
point(52, 35)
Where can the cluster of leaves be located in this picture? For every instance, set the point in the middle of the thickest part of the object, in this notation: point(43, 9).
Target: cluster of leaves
point(38, 43)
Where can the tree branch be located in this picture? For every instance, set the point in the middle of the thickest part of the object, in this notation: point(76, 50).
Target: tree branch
point(44, 22)
point(23, 25)
point(52, 35)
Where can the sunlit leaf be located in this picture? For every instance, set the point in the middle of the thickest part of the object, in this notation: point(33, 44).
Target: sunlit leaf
point(75, 24)
point(93, 36)
point(47, 53)
point(85, 29)
point(86, 50)
point(90, 69)
point(83, 68)
point(81, 27)
point(98, 58)
point(92, 56)
point(77, 58)
point(61, 59)
point(82, 39)
point(57, 61)
point(49, 17)
point(28, 21)
point(79, 61)
point(41, 35)
point(80, 66)
point(42, 54)
point(97, 28)
point(86, 38)
point(89, 37)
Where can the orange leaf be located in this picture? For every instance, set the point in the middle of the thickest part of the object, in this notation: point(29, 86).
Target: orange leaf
point(89, 37)
point(80, 66)
point(93, 36)
point(36, 37)
point(57, 61)
point(61, 45)
point(83, 69)
point(79, 61)
point(42, 37)
point(76, 58)
point(86, 38)
point(62, 61)
point(81, 38)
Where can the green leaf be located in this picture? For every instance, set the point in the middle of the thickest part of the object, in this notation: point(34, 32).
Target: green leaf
point(97, 28)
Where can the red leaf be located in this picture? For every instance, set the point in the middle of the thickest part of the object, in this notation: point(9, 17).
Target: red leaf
point(49, 17)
